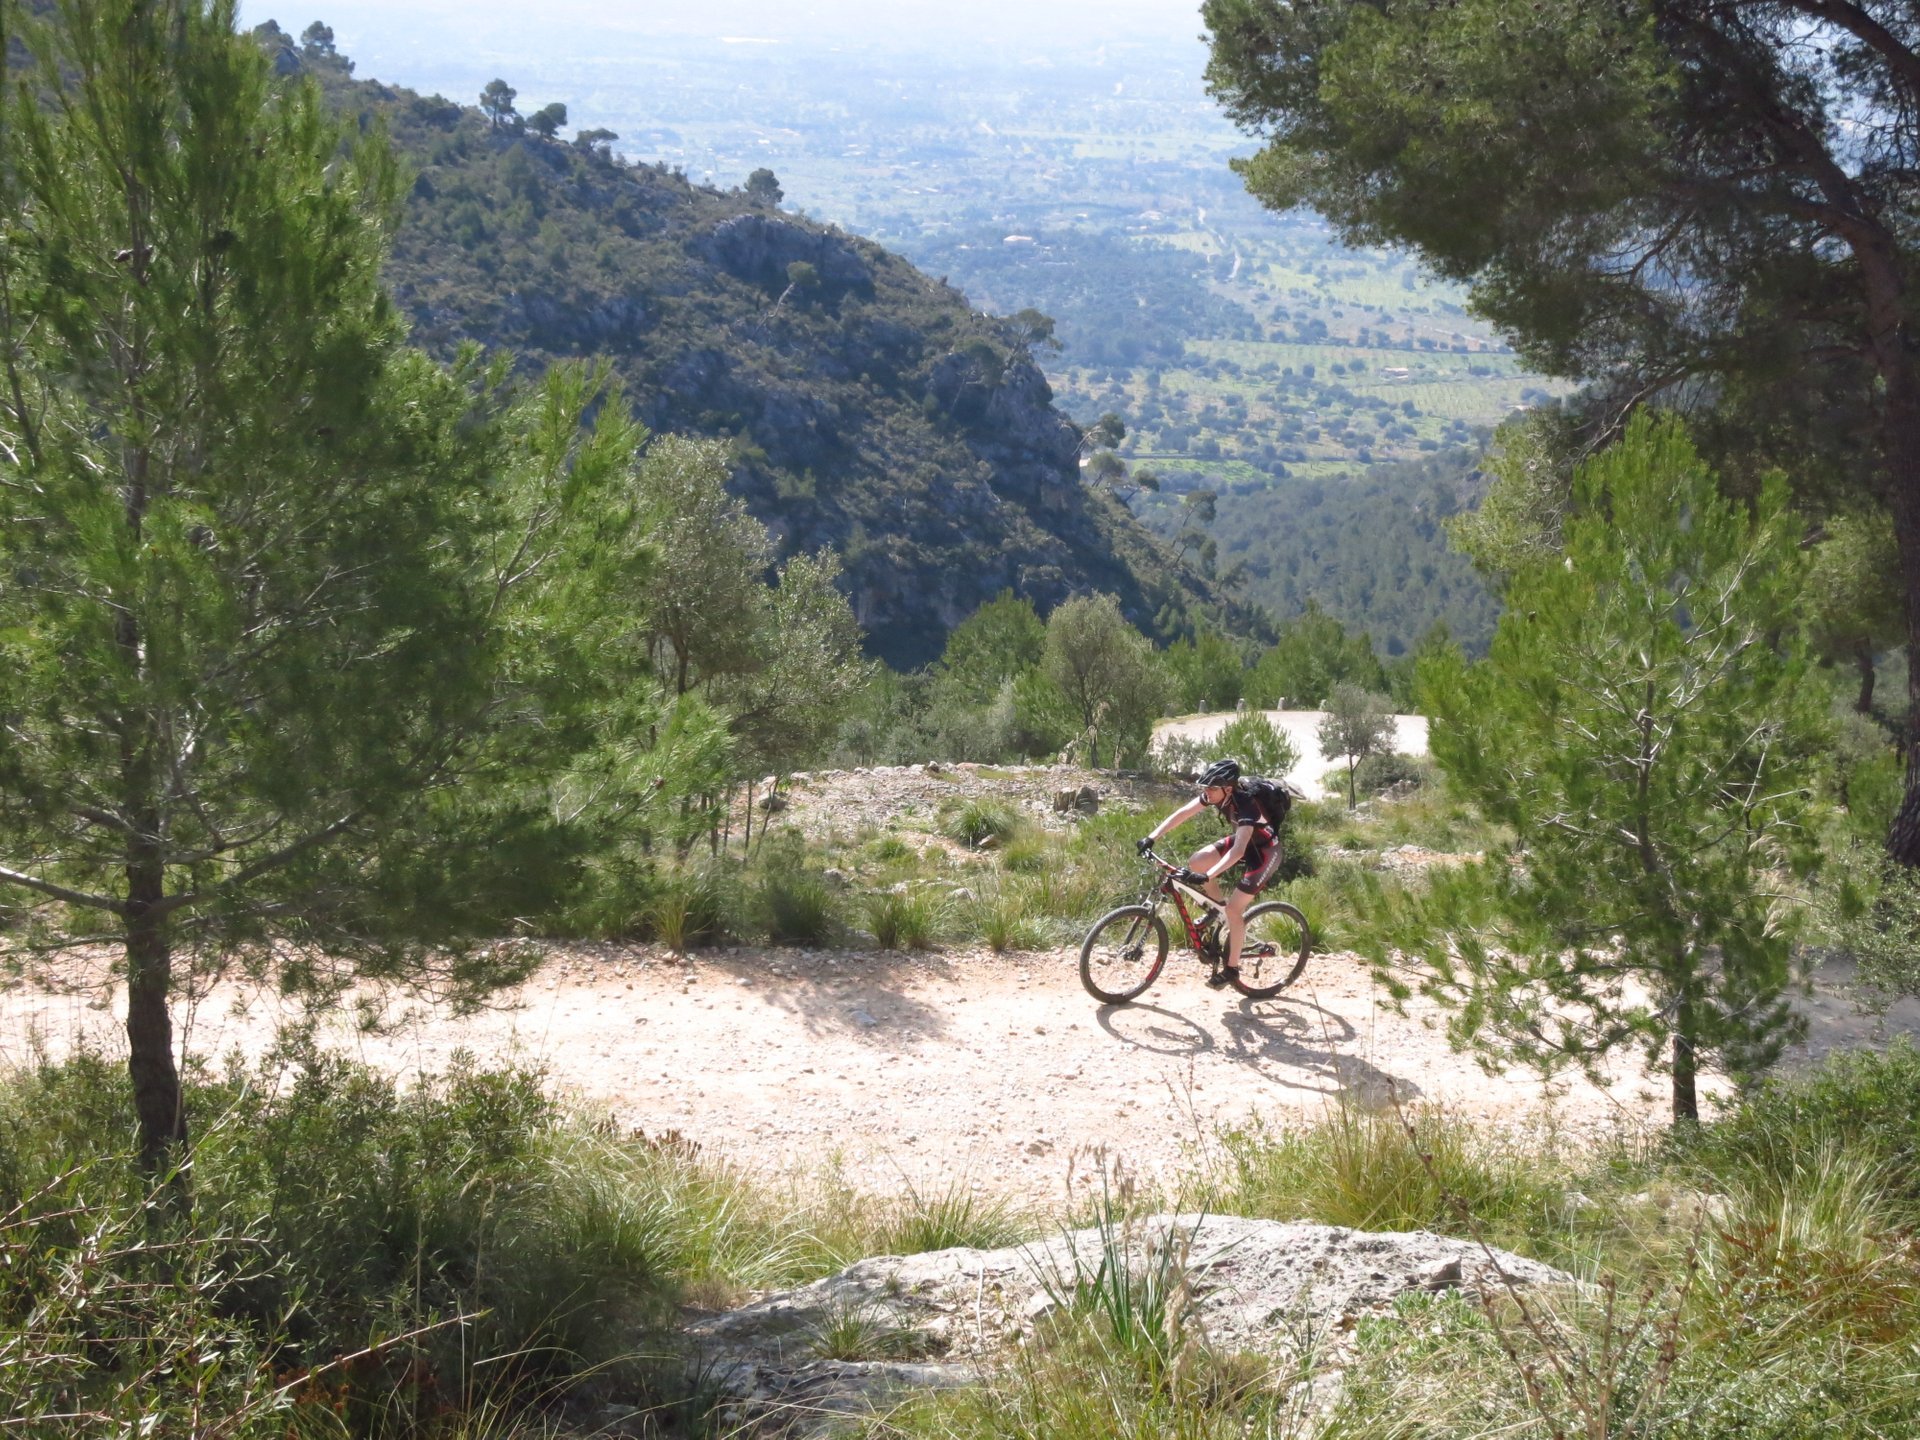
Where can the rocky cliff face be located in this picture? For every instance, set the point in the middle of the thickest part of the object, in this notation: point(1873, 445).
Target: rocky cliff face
point(870, 409)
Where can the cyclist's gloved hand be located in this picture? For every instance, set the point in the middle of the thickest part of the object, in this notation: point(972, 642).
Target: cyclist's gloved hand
point(1143, 844)
point(1191, 877)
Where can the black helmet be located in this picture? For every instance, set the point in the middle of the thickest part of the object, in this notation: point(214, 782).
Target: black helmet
point(1220, 772)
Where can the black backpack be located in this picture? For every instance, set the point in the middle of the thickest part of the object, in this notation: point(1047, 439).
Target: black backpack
point(1274, 799)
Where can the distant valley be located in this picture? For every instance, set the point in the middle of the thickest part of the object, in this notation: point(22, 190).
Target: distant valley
point(1087, 176)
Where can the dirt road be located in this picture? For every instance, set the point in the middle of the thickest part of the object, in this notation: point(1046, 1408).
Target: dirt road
point(914, 1071)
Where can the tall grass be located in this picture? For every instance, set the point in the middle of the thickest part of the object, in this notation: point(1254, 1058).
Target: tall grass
point(687, 909)
point(1003, 915)
point(907, 918)
point(977, 820)
point(794, 908)
point(1422, 1169)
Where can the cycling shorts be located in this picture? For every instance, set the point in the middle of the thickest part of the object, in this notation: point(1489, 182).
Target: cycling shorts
point(1260, 861)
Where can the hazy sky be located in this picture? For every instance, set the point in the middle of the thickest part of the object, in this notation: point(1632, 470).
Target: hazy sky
point(985, 20)
point(386, 30)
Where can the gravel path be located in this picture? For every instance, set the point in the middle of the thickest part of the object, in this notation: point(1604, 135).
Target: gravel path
point(909, 1072)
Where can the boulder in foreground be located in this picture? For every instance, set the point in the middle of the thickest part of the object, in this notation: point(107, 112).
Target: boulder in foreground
point(857, 1341)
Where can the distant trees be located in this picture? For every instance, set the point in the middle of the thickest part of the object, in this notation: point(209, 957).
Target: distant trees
point(548, 119)
point(1853, 596)
point(1104, 434)
point(763, 187)
point(1034, 328)
point(1643, 726)
point(779, 664)
point(597, 141)
point(496, 103)
point(1205, 673)
point(990, 649)
point(1313, 653)
point(316, 42)
point(802, 276)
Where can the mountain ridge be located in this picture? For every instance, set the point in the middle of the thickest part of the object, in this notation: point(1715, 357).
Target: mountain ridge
point(869, 408)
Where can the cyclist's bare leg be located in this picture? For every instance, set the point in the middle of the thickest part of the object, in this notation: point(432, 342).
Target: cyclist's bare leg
point(1236, 926)
point(1204, 859)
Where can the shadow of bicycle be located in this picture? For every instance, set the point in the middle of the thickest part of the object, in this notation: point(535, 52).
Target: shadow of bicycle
point(1153, 1028)
point(1293, 1043)
point(1303, 1046)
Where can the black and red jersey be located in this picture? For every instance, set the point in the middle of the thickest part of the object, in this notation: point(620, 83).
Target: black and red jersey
point(1240, 808)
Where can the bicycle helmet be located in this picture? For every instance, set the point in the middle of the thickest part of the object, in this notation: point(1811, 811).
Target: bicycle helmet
point(1220, 772)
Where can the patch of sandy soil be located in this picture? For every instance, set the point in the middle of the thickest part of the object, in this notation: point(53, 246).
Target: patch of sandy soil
point(999, 1071)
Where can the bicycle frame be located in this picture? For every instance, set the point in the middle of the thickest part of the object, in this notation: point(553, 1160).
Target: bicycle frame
point(1168, 887)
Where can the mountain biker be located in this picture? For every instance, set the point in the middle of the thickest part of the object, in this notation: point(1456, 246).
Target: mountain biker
point(1250, 838)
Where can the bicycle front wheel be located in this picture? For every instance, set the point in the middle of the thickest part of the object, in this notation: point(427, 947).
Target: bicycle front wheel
point(1278, 942)
point(1123, 954)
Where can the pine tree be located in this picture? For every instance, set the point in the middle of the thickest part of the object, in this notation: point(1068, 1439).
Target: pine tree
point(1642, 726)
point(276, 593)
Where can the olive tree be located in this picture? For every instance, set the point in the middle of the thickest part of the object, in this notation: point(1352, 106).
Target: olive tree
point(1106, 672)
point(1357, 723)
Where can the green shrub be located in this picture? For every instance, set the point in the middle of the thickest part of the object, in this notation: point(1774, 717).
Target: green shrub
point(126, 1337)
point(959, 1215)
point(1864, 1103)
point(977, 820)
point(1261, 749)
point(1376, 773)
point(794, 908)
point(1175, 757)
point(1362, 1168)
point(1028, 853)
point(333, 1207)
point(1003, 916)
point(687, 909)
point(890, 850)
point(905, 919)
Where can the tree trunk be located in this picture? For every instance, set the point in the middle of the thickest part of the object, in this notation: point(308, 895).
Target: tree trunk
point(1863, 659)
point(150, 1063)
point(1903, 458)
point(1686, 1065)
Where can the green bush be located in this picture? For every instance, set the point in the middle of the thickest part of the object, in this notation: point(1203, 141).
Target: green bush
point(1260, 748)
point(794, 909)
point(905, 919)
point(890, 850)
point(1376, 773)
point(1028, 853)
point(687, 909)
point(1391, 1170)
point(1174, 757)
point(977, 820)
point(332, 1208)
point(1004, 917)
point(1864, 1103)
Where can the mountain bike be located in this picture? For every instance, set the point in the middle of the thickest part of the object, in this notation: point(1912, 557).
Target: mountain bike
point(1126, 948)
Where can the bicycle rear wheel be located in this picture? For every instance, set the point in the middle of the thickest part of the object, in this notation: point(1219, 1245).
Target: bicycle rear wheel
point(1122, 954)
point(1278, 942)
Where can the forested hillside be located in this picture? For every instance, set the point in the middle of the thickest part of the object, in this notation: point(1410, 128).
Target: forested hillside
point(869, 409)
point(1371, 549)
